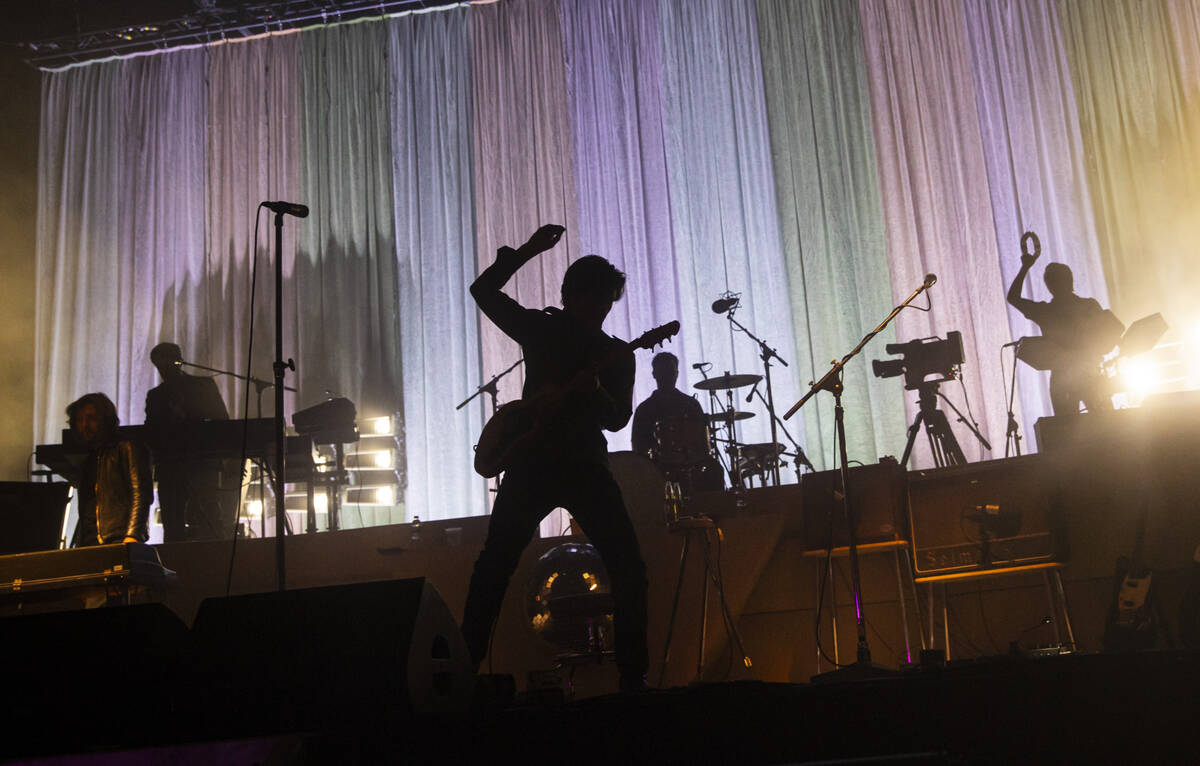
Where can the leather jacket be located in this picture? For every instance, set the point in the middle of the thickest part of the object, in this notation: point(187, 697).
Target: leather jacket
point(115, 494)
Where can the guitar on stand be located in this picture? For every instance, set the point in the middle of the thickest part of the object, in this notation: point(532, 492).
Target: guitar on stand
point(1135, 617)
point(519, 423)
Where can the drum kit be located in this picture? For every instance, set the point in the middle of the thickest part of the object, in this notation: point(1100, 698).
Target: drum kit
point(699, 452)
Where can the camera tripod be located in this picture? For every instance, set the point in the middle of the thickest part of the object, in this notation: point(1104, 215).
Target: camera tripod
point(942, 442)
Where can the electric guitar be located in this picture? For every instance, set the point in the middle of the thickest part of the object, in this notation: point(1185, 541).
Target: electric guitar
point(1133, 621)
point(518, 424)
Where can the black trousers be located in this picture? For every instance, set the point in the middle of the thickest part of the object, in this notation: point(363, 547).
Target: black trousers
point(588, 490)
point(193, 505)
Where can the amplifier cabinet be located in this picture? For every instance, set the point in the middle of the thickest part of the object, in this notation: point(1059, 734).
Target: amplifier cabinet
point(877, 497)
point(989, 515)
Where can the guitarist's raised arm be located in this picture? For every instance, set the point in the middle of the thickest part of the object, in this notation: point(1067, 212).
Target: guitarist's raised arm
point(510, 316)
point(1024, 305)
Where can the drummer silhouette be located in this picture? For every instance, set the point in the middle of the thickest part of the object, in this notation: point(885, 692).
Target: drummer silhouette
point(667, 401)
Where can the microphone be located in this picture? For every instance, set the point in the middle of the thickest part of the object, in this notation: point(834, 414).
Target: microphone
point(1016, 342)
point(287, 208)
point(701, 365)
point(752, 390)
point(930, 280)
point(724, 304)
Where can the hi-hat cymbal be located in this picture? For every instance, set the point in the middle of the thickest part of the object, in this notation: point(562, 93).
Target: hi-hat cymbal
point(729, 415)
point(727, 381)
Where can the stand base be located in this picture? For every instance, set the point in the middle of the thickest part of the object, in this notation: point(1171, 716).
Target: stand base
point(859, 671)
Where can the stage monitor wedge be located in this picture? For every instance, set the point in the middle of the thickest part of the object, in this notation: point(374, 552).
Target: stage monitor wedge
point(298, 659)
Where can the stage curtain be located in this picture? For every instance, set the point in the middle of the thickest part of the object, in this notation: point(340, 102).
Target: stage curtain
point(724, 219)
point(830, 217)
point(429, 56)
point(613, 50)
point(121, 220)
point(347, 296)
point(1036, 164)
point(1134, 65)
point(936, 201)
point(253, 137)
point(524, 176)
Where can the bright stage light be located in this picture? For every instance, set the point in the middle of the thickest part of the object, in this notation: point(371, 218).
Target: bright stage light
point(385, 496)
point(380, 426)
point(383, 459)
point(254, 509)
point(1140, 376)
point(320, 502)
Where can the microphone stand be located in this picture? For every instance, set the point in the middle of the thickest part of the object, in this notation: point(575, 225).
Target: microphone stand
point(765, 353)
point(280, 367)
point(832, 382)
point(260, 385)
point(1012, 436)
point(490, 389)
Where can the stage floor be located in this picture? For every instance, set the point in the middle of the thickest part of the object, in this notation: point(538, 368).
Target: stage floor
point(1073, 709)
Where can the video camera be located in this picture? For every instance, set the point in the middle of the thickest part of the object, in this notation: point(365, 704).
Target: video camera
point(921, 358)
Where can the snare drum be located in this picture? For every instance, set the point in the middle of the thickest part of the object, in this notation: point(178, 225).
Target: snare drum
point(681, 441)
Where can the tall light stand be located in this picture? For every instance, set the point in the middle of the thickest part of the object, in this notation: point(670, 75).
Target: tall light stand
point(832, 382)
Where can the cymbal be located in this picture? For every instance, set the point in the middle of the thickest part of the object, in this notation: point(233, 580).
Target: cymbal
point(727, 381)
point(729, 415)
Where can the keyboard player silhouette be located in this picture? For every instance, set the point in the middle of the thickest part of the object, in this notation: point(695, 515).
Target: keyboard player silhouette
point(197, 496)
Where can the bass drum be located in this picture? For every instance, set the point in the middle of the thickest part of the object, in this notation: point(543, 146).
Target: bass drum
point(641, 484)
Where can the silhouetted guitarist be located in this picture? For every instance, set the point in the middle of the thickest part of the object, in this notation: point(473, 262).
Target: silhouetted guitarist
point(567, 465)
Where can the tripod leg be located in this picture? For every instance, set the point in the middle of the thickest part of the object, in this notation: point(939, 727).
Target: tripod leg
point(939, 431)
point(912, 437)
point(662, 671)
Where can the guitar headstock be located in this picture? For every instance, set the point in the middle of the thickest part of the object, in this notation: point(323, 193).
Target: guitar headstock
point(660, 334)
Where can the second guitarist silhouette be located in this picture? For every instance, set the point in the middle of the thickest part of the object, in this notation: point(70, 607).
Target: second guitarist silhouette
point(567, 464)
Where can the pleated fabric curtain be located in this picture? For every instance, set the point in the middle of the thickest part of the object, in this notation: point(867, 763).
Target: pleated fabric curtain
point(819, 158)
point(121, 224)
point(524, 176)
point(936, 201)
point(830, 217)
point(347, 289)
point(429, 55)
point(721, 187)
point(1134, 64)
point(1036, 164)
point(613, 50)
point(254, 155)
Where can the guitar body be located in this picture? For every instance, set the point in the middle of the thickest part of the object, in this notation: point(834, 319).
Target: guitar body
point(518, 424)
point(1132, 624)
point(514, 426)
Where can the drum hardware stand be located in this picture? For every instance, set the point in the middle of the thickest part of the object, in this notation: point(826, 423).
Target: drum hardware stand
point(942, 442)
point(832, 382)
point(801, 458)
point(765, 353)
point(490, 389)
point(1012, 436)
